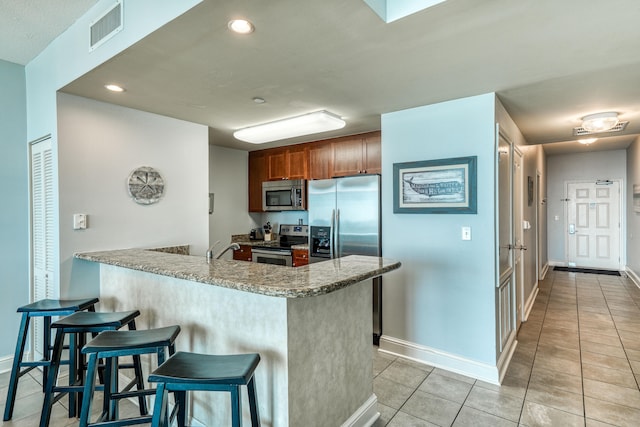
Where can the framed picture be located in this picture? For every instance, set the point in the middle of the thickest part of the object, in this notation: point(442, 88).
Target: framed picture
point(529, 191)
point(446, 186)
point(636, 198)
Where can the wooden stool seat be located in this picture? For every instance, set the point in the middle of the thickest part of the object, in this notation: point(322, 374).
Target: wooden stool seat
point(77, 325)
point(185, 371)
point(45, 308)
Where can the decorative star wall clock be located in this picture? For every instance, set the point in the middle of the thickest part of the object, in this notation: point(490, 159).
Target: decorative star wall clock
point(146, 185)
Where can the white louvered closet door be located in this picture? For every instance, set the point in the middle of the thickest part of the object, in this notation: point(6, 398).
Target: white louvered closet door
point(42, 231)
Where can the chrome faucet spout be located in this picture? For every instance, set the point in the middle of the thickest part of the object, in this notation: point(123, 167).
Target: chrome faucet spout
point(210, 255)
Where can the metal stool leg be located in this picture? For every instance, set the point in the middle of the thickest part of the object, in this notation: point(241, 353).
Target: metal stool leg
point(253, 403)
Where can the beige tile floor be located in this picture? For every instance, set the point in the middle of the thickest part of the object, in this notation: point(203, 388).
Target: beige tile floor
point(577, 364)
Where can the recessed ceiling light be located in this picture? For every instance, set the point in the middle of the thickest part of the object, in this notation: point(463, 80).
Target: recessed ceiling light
point(587, 141)
point(114, 88)
point(259, 100)
point(241, 26)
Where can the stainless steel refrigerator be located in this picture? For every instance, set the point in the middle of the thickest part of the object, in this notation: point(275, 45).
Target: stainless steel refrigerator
point(344, 219)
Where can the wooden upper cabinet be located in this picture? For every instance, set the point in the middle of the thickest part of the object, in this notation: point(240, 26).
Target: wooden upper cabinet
point(357, 154)
point(286, 163)
point(257, 174)
point(320, 160)
point(372, 156)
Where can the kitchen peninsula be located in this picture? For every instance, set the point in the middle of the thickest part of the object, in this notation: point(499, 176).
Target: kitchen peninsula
point(311, 326)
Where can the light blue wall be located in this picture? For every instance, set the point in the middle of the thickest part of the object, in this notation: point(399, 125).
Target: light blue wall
point(633, 218)
point(443, 296)
point(14, 231)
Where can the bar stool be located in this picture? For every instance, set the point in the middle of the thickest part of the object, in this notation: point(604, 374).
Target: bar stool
point(185, 371)
point(77, 325)
point(46, 309)
point(111, 345)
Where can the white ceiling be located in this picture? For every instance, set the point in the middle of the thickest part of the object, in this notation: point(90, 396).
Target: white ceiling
point(28, 26)
point(551, 62)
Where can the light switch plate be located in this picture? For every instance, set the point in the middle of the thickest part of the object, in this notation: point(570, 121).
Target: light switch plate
point(466, 233)
point(79, 221)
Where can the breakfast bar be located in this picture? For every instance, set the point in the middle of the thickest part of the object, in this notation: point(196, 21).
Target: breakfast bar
point(311, 326)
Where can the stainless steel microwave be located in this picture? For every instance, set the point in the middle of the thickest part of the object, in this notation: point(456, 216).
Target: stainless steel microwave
point(285, 195)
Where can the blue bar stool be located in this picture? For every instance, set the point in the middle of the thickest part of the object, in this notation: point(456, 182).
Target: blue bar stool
point(184, 371)
point(111, 345)
point(77, 325)
point(46, 309)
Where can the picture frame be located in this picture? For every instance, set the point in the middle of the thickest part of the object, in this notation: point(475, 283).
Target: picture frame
point(529, 191)
point(636, 198)
point(442, 186)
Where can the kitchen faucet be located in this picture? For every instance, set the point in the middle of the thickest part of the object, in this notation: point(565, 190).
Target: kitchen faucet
point(210, 255)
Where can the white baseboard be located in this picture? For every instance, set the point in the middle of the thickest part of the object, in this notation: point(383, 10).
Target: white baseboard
point(529, 303)
point(440, 359)
point(545, 270)
point(366, 415)
point(633, 276)
point(553, 263)
point(6, 363)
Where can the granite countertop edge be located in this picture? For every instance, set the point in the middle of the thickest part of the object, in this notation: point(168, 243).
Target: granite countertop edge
point(278, 281)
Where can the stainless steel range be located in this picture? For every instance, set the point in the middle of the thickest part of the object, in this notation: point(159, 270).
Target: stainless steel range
point(281, 254)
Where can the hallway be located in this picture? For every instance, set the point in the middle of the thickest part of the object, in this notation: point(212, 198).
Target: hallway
point(574, 366)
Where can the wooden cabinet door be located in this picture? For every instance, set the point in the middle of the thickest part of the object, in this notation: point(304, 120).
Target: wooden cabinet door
point(372, 159)
point(257, 174)
point(297, 163)
point(243, 254)
point(320, 161)
point(347, 157)
point(300, 257)
point(277, 165)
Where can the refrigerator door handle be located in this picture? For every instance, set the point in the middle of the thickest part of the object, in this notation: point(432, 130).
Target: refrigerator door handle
point(332, 234)
point(338, 253)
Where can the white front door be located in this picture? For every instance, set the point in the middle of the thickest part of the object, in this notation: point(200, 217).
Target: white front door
point(593, 224)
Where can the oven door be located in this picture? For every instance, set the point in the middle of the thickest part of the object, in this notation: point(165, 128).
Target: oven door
point(272, 256)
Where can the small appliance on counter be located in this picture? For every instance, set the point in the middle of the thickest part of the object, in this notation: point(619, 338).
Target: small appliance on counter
point(256, 234)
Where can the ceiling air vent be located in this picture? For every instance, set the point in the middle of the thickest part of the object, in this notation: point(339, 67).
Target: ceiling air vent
point(580, 131)
point(106, 25)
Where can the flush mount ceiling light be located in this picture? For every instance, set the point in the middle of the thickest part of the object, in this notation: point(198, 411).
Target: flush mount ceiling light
point(306, 124)
point(600, 122)
point(241, 26)
point(587, 141)
point(114, 88)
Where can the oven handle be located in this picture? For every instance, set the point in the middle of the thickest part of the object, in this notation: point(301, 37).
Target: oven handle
point(282, 252)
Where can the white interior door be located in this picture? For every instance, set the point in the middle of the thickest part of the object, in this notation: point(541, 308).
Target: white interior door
point(42, 232)
point(518, 233)
point(505, 295)
point(593, 224)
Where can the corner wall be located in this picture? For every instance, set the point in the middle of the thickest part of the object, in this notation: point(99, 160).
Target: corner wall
point(633, 217)
point(14, 188)
point(228, 180)
point(99, 145)
point(442, 300)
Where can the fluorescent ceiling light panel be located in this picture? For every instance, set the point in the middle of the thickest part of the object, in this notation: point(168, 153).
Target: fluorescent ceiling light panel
point(307, 124)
